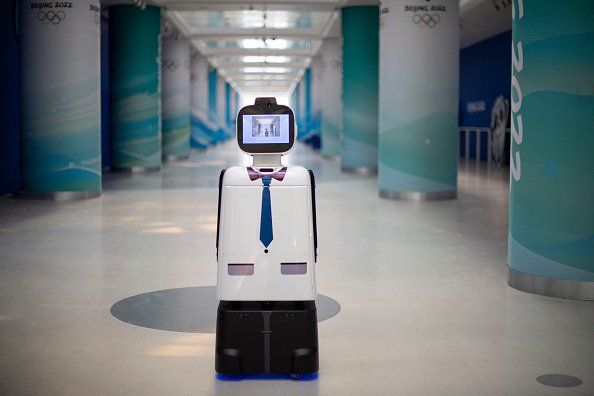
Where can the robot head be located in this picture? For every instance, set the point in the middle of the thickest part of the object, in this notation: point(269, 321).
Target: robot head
point(265, 128)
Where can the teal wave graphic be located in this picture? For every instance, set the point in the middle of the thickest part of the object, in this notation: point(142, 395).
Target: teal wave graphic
point(330, 137)
point(135, 131)
point(201, 130)
point(360, 49)
point(61, 138)
point(525, 260)
point(559, 64)
point(360, 118)
point(138, 107)
point(135, 74)
point(355, 154)
point(553, 18)
point(176, 135)
point(392, 180)
point(176, 121)
point(133, 84)
point(421, 155)
point(177, 142)
point(551, 205)
point(199, 137)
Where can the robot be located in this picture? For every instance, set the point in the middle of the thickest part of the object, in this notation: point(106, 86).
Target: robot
point(266, 254)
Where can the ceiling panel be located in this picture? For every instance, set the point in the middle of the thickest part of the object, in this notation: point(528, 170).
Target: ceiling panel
point(252, 59)
point(263, 77)
point(204, 21)
point(272, 39)
point(265, 45)
point(256, 43)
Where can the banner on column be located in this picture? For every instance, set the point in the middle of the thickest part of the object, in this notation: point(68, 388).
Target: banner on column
point(175, 64)
point(228, 105)
point(330, 68)
point(314, 78)
point(221, 102)
point(213, 117)
point(418, 118)
point(307, 98)
point(60, 95)
point(202, 133)
point(552, 162)
point(134, 46)
point(360, 88)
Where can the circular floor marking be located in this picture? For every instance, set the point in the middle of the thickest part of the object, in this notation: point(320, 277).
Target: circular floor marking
point(188, 309)
point(559, 380)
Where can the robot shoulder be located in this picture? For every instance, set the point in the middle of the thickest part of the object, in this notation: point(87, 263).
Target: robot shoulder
point(236, 175)
point(297, 175)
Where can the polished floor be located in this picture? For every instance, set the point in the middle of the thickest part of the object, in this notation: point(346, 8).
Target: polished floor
point(424, 305)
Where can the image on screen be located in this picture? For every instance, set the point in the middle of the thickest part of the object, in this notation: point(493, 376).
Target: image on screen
point(265, 129)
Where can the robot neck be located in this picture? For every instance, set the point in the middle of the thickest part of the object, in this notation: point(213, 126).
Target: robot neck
point(267, 160)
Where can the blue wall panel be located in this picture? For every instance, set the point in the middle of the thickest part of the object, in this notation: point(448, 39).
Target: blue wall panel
point(485, 73)
point(9, 100)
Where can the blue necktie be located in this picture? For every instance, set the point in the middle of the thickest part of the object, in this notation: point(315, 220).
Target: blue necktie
point(266, 215)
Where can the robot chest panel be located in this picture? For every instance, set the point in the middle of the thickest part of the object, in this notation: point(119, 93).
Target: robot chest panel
point(279, 223)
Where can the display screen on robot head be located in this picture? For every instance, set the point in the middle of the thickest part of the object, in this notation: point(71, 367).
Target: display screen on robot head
point(265, 127)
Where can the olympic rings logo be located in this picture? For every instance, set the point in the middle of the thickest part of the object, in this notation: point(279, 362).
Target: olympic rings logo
point(170, 64)
point(51, 17)
point(429, 20)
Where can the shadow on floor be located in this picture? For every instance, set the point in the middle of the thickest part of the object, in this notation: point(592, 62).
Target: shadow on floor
point(188, 309)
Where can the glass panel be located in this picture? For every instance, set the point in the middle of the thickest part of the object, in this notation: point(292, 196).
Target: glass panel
point(260, 44)
point(265, 70)
point(250, 19)
point(264, 77)
point(259, 59)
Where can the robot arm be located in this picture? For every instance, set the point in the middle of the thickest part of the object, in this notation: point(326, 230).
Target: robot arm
point(313, 204)
point(219, 209)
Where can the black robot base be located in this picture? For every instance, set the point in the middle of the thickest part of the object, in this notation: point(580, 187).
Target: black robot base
point(277, 337)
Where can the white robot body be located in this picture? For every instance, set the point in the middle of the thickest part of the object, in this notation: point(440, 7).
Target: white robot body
point(266, 253)
point(248, 270)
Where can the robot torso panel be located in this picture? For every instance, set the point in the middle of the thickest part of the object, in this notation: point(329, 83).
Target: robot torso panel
point(266, 246)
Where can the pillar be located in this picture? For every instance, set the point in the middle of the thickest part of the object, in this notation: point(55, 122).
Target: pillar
point(307, 99)
point(10, 161)
point(358, 152)
point(135, 109)
point(235, 107)
point(551, 216)
point(228, 104)
point(202, 134)
point(302, 106)
point(212, 103)
point(330, 68)
point(175, 69)
point(221, 121)
point(297, 109)
point(104, 62)
point(315, 82)
point(60, 99)
point(418, 117)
